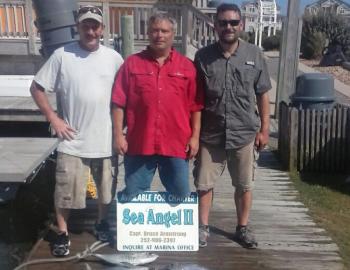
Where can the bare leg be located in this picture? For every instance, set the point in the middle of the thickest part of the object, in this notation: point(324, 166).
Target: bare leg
point(243, 205)
point(62, 216)
point(205, 201)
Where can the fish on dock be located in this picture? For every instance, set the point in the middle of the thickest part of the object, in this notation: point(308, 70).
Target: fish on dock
point(131, 267)
point(183, 266)
point(127, 258)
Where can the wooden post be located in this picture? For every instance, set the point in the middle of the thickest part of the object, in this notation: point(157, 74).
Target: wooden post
point(289, 54)
point(127, 24)
point(293, 139)
point(30, 28)
point(185, 28)
point(106, 31)
point(347, 141)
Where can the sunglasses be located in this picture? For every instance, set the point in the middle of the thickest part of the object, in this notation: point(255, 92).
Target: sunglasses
point(91, 9)
point(224, 23)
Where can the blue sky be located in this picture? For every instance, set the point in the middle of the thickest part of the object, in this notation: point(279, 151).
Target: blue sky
point(284, 4)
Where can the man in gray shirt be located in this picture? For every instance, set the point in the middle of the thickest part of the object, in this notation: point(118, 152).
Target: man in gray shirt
point(234, 129)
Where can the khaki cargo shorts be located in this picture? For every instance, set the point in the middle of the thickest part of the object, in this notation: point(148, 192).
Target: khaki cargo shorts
point(211, 162)
point(72, 174)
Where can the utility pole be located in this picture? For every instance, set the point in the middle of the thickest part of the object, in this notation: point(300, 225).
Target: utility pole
point(289, 54)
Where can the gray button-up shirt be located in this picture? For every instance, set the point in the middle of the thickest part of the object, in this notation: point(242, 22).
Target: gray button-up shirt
point(230, 117)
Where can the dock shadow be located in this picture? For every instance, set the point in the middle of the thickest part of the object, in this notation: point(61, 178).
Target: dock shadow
point(231, 237)
point(221, 232)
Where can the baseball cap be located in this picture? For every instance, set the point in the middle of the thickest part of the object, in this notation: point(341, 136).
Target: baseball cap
point(90, 12)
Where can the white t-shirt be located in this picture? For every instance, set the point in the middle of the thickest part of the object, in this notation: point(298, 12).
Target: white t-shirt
point(83, 83)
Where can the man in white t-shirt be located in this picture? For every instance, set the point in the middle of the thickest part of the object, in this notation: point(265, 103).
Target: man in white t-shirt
point(82, 75)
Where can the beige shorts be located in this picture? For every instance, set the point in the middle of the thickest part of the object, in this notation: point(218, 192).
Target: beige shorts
point(72, 174)
point(211, 162)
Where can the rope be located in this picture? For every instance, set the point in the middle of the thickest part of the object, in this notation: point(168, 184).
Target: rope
point(81, 255)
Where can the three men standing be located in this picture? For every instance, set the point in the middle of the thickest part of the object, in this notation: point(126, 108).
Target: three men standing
point(236, 78)
point(156, 96)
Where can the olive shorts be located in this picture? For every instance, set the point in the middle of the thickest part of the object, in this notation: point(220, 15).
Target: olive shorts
point(72, 174)
point(211, 162)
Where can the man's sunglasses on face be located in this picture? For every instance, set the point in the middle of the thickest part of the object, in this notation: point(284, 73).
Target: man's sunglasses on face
point(224, 23)
point(91, 9)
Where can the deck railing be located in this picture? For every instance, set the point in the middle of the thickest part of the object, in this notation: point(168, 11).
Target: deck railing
point(13, 19)
point(314, 140)
point(195, 29)
point(202, 26)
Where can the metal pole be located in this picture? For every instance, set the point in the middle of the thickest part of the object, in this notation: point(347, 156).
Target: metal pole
point(127, 25)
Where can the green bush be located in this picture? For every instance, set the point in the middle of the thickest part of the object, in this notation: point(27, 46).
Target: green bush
point(271, 43)
point(328, 26)
point(313, 45)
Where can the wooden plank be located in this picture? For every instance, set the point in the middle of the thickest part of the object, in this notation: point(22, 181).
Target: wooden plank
point(313, 140)
point(343, 140)
point(328, 140)
point(23, 108)
point(280, 133)
point(323, 140)
point(301, 143)
point(348, 141)
point(333, 140)
point(317, 141)
point(307, 140)
point(339, 140)
point(293, 143)
point(21, 156)
point(288, 237)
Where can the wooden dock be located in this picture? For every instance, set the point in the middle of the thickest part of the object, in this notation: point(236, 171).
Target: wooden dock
point(20, 157)
point(23, 109)
point(288, 238)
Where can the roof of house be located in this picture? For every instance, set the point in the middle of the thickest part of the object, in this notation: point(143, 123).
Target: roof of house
point(320, 2)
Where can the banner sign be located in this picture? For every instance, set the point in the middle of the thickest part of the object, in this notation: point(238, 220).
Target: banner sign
point(157, 221)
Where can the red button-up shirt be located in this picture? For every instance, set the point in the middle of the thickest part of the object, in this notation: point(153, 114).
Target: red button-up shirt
point(158, 102)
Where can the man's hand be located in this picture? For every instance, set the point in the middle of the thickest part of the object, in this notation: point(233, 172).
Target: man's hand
point(192, 147)
point(62, 129)
point(120, 145)
point(261, 140)
point(59, 126)
point(262, 137)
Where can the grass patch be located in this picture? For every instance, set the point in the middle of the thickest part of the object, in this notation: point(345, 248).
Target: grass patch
point(328, 198)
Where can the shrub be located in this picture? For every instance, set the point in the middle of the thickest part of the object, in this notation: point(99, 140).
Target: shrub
point(313, 45)
point(331, 26)
point(271, 43)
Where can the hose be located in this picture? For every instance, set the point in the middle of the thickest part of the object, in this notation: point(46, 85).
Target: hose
point(81, 255)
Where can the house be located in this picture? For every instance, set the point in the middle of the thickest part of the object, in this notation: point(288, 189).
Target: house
point(250, 16)
point(340, 7)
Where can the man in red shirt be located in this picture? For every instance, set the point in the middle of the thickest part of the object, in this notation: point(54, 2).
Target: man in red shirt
point(156, 93)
